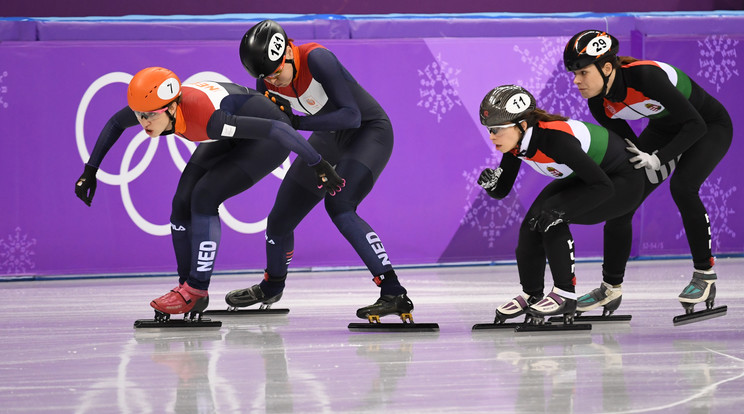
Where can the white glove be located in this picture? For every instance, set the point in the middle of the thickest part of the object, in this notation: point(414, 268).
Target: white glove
point(643, 159)
point(489, 178)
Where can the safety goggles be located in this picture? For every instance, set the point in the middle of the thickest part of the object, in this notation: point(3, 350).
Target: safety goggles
point(495, 129)
point(150, 114)
point(278, 71)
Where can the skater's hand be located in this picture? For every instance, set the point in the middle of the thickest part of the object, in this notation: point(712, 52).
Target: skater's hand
point(285, 106)
point(85, 187)
point(643, 159)
point(327, 177)
point(545, 220)
point(489, 178)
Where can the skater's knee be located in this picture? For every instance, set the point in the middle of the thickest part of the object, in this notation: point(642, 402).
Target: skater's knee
point(180, 207)
point(277, 225)
point(205, 201)
point(683, 188)
point(337, 206)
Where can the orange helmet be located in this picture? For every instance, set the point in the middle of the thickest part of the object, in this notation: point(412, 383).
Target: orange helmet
point(153, 88)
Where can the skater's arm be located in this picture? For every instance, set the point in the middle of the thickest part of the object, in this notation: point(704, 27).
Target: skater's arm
point(85, 186)
point(110, 133)
point(224, 125)
point(619, 126)
point(690, 124)
point(329, 72)
point(509, 169)
point(597, 188)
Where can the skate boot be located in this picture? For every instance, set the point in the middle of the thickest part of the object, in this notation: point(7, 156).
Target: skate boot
point(515, 307)
point(605, 295)
point(512, 309)
point(181, 299)
point(557, 302)
point(241, 298)
point(702, 288)
point(387, 305)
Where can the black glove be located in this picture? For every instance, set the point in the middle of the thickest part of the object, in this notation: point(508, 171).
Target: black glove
point(545, 220)
point(85, 187)
point(489, 178)
point(327, 177)
point(285, 106)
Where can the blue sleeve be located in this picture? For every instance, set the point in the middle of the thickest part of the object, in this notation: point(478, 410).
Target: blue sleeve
point(250, 127)
point(336, 81)
point(110, 134)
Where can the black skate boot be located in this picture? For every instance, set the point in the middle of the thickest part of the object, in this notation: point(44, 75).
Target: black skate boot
point(400, 305)
point(241, 298)
point(702, 288)
point(557, 302)
point(387, 305)
point(512, 309)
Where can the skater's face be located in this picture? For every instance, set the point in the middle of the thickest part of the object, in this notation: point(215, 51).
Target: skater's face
point(590, 82)
point(284, 74)
point(156, 122)
point(505, 137)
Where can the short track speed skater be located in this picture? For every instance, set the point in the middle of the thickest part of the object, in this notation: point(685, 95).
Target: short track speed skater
point(399, 305)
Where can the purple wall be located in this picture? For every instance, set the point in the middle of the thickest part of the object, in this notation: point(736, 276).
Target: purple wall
point(45, 8)
point(55, 95)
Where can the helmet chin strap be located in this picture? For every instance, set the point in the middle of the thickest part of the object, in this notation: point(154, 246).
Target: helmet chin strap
point(172, 130)
point(294, 68)
point(605, 79)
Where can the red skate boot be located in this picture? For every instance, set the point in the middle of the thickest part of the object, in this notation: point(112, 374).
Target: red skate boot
point(181, 299)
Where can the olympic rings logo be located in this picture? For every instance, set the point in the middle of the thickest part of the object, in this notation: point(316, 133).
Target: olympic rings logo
point(128, 173)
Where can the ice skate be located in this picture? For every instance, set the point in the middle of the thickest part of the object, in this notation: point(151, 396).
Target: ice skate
point(557, 302)
point(605, 295)
point(241, 298)
point(400, 305)
point(702, 288)
point(512, 309)
point(183, 299)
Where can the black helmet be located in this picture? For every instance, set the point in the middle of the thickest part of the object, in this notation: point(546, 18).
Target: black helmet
point(587, 47)
point(507, 103)
point(262, 48)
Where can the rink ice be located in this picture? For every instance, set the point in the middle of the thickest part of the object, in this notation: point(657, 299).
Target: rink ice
point(68, 346)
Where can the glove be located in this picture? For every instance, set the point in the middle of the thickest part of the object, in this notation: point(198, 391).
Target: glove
point(545, 220)
point(285, 106)
point(327, 177)
point(643, 159)
point(85, 187)
point(489, 178)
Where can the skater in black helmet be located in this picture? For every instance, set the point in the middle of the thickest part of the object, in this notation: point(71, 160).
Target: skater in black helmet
point(594, 182)
point(688, 133)
point(351, 130)
point(243, 137)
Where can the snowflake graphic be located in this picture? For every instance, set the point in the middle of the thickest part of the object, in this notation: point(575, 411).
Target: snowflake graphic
point(718, 59)
point(551, 84)
point(490, 216)
point(3, 89)
point(715, 198)
point(438, 90)
point(16, 253)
